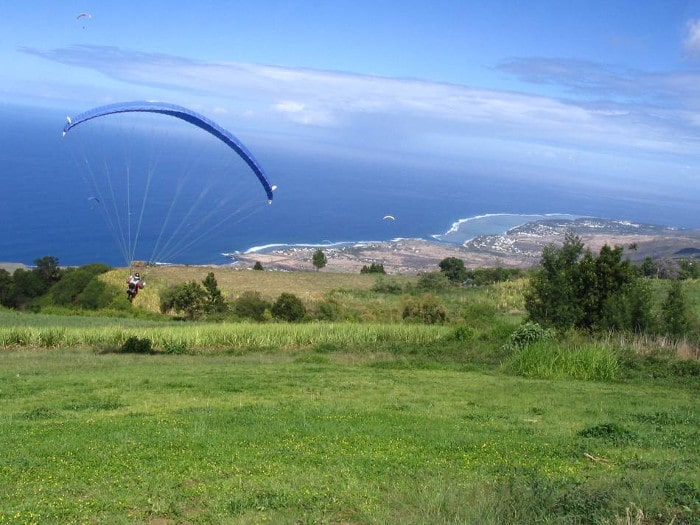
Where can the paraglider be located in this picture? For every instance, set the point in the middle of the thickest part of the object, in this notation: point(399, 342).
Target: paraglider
point(161, 185)
point(184, 114)
point(83, 15)
point(134, 284)
point(389, 218)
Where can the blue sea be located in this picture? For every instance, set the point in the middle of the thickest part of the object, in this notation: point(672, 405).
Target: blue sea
point(46, 208)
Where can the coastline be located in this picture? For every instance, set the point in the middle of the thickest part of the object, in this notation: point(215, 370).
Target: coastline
point(518, 247)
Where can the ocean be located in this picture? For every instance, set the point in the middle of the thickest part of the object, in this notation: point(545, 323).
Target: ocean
point(48, 209)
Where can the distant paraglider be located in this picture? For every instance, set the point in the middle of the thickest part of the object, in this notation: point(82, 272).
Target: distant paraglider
point(83, 17)
point(389, 218)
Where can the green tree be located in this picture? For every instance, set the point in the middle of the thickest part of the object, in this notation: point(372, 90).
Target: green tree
point(453, 268)
point(551, 295)
point(188, 298)
point(66, 291)
point(258, 266)
point(250, 305)
point(215, 300)
point(373, 268)
point(48, 269)
point(574, 288)
point(675, 311)
point(6, 288)
point(288, 307)
point(319, 259)
point(27, 285)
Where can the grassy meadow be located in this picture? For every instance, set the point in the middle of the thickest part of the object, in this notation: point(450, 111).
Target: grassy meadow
point(367, 421)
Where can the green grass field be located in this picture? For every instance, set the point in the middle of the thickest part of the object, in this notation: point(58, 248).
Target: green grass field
point(370, 421)
point(319, 437)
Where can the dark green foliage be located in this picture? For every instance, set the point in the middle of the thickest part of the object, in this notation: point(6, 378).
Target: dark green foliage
point(575, 289)
point(319, 259)
point(251, 305)
point(373, 268)
point(48, 269)
point(28, 285)
point(134, 345)
point(433, 282)
point(630, 309)
point(453, 268)
point(215, 300)
point(97, 295)
point(551, 297)
point(675, 311)
point(6, 288)
point(483, 276)
point(426, 309)
point(189, 298)
point(288, 307)
point(72, 285)
point(258, 266)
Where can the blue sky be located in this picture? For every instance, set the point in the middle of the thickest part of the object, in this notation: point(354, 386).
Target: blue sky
point(596, 90)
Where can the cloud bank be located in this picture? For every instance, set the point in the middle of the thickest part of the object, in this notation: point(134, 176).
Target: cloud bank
point(600, 108)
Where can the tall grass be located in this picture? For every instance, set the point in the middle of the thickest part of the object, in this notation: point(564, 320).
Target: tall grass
point(223, 336)
point(550, 359)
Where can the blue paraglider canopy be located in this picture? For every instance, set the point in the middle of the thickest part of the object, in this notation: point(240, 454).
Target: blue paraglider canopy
point(188, 116)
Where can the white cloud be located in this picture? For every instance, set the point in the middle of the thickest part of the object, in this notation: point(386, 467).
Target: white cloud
point(692, 38)
point(632, 111)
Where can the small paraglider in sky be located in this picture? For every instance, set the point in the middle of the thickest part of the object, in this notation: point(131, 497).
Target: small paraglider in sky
point(389, 218)
point(83, 16)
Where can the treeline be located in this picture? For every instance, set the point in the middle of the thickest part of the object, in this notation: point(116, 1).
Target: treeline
point(571, 288)
point(574, 288)
point(47, 284)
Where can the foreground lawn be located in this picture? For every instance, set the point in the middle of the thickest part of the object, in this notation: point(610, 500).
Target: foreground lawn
point(313, 437)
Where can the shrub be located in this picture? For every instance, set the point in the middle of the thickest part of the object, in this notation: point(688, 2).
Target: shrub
point(188, 297)
point(288, 307)
point(134, 345)
point(463, 333)
point(386, 285)
point(250, 305)
point(529, 333)
point(427, 310)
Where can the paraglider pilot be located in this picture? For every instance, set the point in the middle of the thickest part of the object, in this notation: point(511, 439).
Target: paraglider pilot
point(134, 284)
